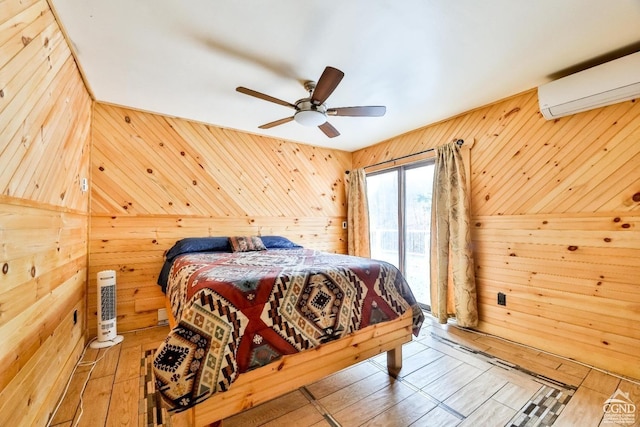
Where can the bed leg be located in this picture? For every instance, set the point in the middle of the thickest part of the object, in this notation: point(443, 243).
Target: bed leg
point(394, 360)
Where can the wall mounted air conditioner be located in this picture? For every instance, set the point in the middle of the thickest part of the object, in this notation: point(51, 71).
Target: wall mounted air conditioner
point(605, 84)
point(106, 290)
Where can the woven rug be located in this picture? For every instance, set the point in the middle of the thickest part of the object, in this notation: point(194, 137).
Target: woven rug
point(152, 412)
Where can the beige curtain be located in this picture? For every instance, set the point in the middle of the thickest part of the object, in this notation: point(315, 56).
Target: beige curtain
point(357, 214)
point(453, 287)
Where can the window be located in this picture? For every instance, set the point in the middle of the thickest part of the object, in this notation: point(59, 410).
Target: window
point(400, 222)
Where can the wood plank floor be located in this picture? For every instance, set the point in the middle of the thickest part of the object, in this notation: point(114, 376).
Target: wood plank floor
point(450, 377)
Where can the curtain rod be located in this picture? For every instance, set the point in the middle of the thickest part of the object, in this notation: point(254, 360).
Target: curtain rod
point(459, 142)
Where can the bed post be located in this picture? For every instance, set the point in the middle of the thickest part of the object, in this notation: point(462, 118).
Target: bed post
point(394, 361)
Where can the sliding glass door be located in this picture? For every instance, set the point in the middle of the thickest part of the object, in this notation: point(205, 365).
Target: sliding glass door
point(400, 222)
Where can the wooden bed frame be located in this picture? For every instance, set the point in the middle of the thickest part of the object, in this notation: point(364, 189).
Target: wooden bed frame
point(294, 371)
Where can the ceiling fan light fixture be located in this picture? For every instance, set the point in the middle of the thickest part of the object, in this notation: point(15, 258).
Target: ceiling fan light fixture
point(310, 117)
point(309, 114)
point(312, 111)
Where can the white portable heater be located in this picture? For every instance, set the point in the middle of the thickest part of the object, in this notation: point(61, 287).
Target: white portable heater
point(106, 289)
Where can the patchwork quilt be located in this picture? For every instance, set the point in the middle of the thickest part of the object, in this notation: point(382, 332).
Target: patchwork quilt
point(239, 311)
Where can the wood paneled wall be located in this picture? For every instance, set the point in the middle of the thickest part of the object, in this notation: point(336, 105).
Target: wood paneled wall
point(556, 214)
point(158, 179)
point(45, 114)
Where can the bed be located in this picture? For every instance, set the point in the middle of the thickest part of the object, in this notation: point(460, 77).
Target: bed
point(255, 317)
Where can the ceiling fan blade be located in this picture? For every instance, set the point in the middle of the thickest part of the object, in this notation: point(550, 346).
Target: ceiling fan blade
point(326, 85)
point(276, 123)
point(329, 130)
point(260, 95)
point(368, 111)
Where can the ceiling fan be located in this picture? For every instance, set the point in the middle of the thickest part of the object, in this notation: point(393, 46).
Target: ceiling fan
point(312, 110)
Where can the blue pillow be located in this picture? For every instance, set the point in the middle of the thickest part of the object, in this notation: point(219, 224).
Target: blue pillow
point(198, 244)
point(278, 242)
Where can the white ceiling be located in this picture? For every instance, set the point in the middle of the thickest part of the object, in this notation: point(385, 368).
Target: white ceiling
point(426, 60)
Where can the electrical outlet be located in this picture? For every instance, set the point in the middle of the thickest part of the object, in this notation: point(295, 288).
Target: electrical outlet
point(344, 225)
point(502, 299)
